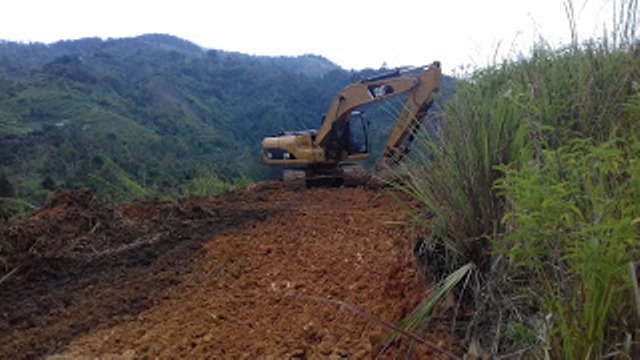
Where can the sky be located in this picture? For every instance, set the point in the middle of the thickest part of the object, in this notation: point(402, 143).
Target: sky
point(354, 34)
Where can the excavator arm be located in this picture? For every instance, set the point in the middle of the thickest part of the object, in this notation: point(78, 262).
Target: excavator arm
point(415, 108)
point(359, 94)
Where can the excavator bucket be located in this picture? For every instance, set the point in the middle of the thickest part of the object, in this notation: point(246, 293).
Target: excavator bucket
point(354, 175)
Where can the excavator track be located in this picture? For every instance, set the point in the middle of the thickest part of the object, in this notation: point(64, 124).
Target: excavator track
point(294, 178)
point(348, 175)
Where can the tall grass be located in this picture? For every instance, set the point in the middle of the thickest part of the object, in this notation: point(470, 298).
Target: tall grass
point(485, 126)
point(537, 173)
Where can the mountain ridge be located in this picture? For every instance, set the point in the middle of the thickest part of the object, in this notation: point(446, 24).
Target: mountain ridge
point(37, 54)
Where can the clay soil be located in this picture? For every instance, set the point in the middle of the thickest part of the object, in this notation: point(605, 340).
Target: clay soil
point(252, 274)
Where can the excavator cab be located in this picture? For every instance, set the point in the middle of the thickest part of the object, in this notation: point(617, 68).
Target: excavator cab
point(349, 140)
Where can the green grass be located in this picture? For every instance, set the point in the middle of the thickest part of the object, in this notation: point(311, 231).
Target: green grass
point(572, 237)
point(207, 183)
point(12, 206)
point(535, 179)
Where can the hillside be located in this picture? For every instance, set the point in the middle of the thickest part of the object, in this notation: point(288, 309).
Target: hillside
point(242, 275)
point(153, 110)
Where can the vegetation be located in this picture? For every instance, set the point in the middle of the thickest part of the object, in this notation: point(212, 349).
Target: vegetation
point(535, 180)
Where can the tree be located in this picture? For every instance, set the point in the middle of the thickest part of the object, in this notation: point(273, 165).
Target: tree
point(48, 183)
point(6, 188)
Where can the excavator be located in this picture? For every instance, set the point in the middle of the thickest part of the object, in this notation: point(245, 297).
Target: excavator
point(326, 155)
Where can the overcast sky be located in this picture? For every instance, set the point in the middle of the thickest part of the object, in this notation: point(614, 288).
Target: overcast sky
point(352, 33)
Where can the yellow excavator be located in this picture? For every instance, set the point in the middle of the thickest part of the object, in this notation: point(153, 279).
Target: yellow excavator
point(327, 154)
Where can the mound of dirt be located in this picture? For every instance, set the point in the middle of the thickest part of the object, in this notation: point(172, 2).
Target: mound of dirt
point(258, 273)
point(72, 226)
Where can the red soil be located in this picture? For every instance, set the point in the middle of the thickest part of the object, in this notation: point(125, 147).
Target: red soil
point(238, 276)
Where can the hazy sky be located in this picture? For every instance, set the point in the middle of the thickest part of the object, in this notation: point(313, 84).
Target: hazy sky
point(352, 33)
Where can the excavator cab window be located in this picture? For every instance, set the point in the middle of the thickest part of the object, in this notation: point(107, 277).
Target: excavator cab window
point(358, 129)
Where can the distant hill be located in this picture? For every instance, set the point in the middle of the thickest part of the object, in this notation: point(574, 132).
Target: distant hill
point(148, 114)
point(16, 58)
point(155, 107)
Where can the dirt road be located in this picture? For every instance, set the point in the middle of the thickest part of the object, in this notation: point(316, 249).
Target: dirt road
point(239, 276)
